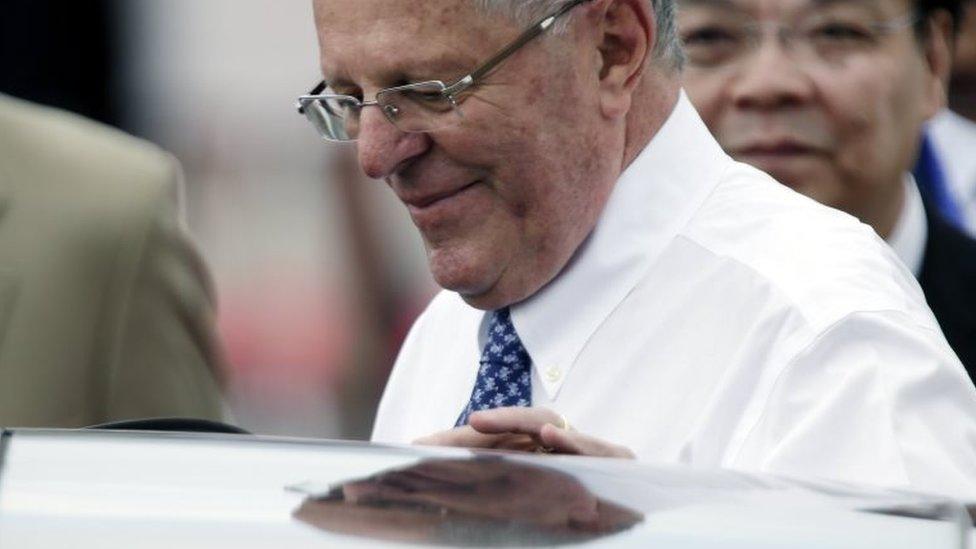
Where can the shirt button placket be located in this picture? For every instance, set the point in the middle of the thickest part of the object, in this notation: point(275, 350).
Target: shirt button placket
point(553, 374)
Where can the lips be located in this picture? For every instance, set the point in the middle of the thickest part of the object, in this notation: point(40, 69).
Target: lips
point(780, 148)
point(427, 200)
point(792, 163)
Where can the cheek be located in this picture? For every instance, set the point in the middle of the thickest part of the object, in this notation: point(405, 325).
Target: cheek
point(521, 141)
point(494, 127)
point(873, 111)
point(851, 101)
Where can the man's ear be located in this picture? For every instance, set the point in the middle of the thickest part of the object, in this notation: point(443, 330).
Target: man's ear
point(938, 60)
point(627, 36)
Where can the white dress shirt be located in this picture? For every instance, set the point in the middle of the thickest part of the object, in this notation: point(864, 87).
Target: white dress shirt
point(954, 138)
point(911, 231)
point(716, 318)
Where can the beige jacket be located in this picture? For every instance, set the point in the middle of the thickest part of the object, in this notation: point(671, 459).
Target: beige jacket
point(106, 311)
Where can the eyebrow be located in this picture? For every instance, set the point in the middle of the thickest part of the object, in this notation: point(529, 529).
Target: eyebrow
point(446, 66)
point(874, 4)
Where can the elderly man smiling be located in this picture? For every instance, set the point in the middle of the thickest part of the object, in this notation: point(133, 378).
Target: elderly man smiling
point(605, 264)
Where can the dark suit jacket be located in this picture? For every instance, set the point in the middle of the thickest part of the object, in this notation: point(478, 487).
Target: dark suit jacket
point(948, 279)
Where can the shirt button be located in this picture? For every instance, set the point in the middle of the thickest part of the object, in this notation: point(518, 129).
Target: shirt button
point(553, 373)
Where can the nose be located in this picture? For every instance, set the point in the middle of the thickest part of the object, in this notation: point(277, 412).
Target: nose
point(771, 79)
point(382, 148)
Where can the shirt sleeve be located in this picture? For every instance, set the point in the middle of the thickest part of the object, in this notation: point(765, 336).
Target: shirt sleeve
point(876, 399)
point(392, 424)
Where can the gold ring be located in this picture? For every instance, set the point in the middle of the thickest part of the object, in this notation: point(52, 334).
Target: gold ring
point(565, 423)
point(543, 450)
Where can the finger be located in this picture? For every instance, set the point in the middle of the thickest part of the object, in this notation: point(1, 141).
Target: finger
point(452, 470)
point(526, 421)
point(412, 480)
point(574, 442)
point(462, 437)
point(468, 437)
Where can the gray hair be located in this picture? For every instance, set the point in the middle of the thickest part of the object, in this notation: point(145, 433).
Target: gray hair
point(667, 46)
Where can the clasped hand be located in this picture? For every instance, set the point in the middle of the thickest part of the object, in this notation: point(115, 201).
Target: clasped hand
point(524, 429)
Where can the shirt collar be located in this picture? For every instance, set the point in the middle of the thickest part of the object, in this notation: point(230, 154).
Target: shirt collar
point(650, 202)
point(910, 233)
point(954, 136)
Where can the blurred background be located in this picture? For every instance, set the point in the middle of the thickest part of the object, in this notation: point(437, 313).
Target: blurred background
point(319, 273)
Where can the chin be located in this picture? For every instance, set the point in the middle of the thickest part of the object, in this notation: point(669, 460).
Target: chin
point(477, 296)
point(481, 288)
point(823, 190)
point(488, 301)
point(461, 275)
point(487, 275)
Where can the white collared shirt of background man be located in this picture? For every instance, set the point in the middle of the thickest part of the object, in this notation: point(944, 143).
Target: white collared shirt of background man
point(716, 318)
point(954, 138)
point(910, 234)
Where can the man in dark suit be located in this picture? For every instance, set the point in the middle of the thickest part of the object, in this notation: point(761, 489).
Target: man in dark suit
point(845, 134)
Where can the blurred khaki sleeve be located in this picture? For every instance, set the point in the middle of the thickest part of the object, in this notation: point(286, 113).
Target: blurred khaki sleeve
point(164, 356)
point(106, 310)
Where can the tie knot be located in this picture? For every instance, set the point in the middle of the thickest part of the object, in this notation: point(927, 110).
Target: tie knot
point(503, 345)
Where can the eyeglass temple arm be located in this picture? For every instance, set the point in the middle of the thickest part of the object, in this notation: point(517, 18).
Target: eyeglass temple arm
point(319, 88)
point(533, 31)
point(898, 23)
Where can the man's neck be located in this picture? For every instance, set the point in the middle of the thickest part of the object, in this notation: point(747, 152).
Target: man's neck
point(885, 210)
point(909, 235)
point(654, 100)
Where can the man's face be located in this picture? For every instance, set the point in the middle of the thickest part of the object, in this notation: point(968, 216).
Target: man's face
point(833, 110)
point(505, 197)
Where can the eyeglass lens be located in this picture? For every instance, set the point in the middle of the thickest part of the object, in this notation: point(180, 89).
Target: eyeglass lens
point(714, 37)
point(416, 108)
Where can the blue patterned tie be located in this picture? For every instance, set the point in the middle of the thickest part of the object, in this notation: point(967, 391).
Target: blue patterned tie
point(505, 375)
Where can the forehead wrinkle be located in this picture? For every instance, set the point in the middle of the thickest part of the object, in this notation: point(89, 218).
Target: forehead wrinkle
point(414, 20)
point(375, 63)
point(425, 43)
point(346, 50)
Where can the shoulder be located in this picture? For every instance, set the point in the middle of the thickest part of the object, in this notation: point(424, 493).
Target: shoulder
point(437, 361)
point(85, 182)
point(50, 150)
point(823, 262)
point(446, 331)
